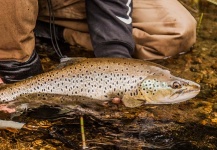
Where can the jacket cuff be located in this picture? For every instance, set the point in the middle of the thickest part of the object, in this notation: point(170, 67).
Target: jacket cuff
point(112, 50)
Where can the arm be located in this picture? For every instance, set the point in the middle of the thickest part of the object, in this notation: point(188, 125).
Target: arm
point(110, 27)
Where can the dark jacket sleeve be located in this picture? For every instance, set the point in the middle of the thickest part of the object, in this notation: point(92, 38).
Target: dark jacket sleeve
point(110, 27)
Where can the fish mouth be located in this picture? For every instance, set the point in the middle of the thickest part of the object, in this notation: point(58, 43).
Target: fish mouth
point(179, 96)
point(186, 90)
point(178, 93)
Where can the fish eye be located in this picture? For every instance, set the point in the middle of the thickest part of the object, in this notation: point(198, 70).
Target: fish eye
point(176, 85)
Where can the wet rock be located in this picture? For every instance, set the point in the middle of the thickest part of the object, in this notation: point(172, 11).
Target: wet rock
point(214, 120)
point(214, 66)
point(197, 60)
point(213, 52)
point(194, 69)
point(214, 107)
point(38, 142)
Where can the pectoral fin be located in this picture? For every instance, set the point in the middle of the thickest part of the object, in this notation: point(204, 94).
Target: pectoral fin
point(130, 101)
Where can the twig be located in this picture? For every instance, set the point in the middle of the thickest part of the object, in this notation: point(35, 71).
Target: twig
point(200, 20)
point(82, 133)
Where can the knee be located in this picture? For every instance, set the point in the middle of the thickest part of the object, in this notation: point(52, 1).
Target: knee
point(170, 38)
point(181, 41)
point(186, 34)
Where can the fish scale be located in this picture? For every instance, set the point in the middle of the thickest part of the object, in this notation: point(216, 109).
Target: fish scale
point(97, 78)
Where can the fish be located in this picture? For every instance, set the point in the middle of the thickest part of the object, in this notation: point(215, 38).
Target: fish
point(134, 81)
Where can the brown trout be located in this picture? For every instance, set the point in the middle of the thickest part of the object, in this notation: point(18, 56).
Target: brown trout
point(136, 82)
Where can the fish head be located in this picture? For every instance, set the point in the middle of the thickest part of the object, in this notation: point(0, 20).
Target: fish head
point(168, 89)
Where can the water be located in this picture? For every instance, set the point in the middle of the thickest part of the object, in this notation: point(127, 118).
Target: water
point(57, 130)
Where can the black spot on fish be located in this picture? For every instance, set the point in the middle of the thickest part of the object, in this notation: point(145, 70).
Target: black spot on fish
point(136, 92)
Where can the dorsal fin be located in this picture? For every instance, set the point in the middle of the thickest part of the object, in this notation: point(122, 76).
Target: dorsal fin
point(156, 64)
point(69, 60)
